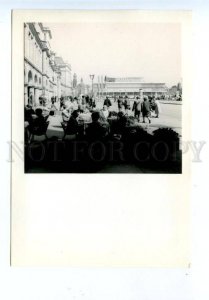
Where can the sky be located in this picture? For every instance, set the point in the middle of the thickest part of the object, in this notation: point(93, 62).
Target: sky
point(148, 50)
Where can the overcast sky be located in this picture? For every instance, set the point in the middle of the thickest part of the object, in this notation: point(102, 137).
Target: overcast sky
point(148, 50)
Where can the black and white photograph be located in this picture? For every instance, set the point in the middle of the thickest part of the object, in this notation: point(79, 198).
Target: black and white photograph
point(103, 97)
point(100, 115)
point(104, 150)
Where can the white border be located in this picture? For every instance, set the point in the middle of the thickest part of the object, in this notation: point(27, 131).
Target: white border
point(147, 284)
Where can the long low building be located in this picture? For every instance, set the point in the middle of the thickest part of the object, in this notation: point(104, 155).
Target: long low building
point(131, 86)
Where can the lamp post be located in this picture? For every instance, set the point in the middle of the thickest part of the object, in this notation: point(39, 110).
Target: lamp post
point(92, 79)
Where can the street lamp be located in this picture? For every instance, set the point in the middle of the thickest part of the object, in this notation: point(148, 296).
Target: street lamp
point(92, 79)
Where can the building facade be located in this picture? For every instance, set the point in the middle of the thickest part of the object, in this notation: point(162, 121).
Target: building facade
point(66, 82)
point(82, 89)
point(43, 77)
point(130, 86)
point(175, 91)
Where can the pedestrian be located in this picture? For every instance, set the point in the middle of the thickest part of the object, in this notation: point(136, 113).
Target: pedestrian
point(137, 108)
point(87, 99)
point(92, 102)
point(157, 108)
point(146, 109)
point(53, 107)
point(107, 102)
point(83, 100)
point(120, 103)
point(61, 102)
point(127, 104)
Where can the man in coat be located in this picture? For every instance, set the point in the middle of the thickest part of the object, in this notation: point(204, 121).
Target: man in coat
point(146, 109)
point(107, 102)
point(137, 108)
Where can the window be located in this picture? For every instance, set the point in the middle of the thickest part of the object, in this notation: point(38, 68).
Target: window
point(30, 76)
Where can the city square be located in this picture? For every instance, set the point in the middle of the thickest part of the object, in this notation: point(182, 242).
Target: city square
point(64, 107)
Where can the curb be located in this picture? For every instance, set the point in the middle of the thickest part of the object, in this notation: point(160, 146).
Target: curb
point(173, 103)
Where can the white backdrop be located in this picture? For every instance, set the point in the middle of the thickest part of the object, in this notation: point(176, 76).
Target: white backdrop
point(65, 283)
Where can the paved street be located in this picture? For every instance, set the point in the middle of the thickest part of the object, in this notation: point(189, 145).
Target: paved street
point(169, 117)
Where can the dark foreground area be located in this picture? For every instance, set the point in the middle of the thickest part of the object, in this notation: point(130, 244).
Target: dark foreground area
point(134, 152)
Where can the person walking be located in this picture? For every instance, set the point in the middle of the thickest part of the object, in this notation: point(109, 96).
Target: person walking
point(127, 104)
point(120, 103)
point(146, 109)
point(107, 102)
point(137, 108)
point(157, 108)
point(83, 100)
point(61, 102)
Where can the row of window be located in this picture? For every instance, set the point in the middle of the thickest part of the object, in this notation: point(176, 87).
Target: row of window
point(33, 50)
point(36, 79)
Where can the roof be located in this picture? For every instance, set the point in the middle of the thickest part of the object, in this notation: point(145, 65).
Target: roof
point(46, 29)
point(41, 26)
point(123, 79)
point(59, 60)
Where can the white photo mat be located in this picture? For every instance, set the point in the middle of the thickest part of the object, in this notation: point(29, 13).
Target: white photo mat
point(99, 220)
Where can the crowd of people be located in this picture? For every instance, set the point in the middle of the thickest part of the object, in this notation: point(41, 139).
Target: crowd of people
point(145, 108)
point(95, 132)
point(83, 110)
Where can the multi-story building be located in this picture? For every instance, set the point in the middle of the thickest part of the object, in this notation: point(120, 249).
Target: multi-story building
point(33, 75)
point(43, 76)
point(66, 82)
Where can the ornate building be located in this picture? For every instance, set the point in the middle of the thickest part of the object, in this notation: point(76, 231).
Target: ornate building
point(43, 76)
point(33, 75)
